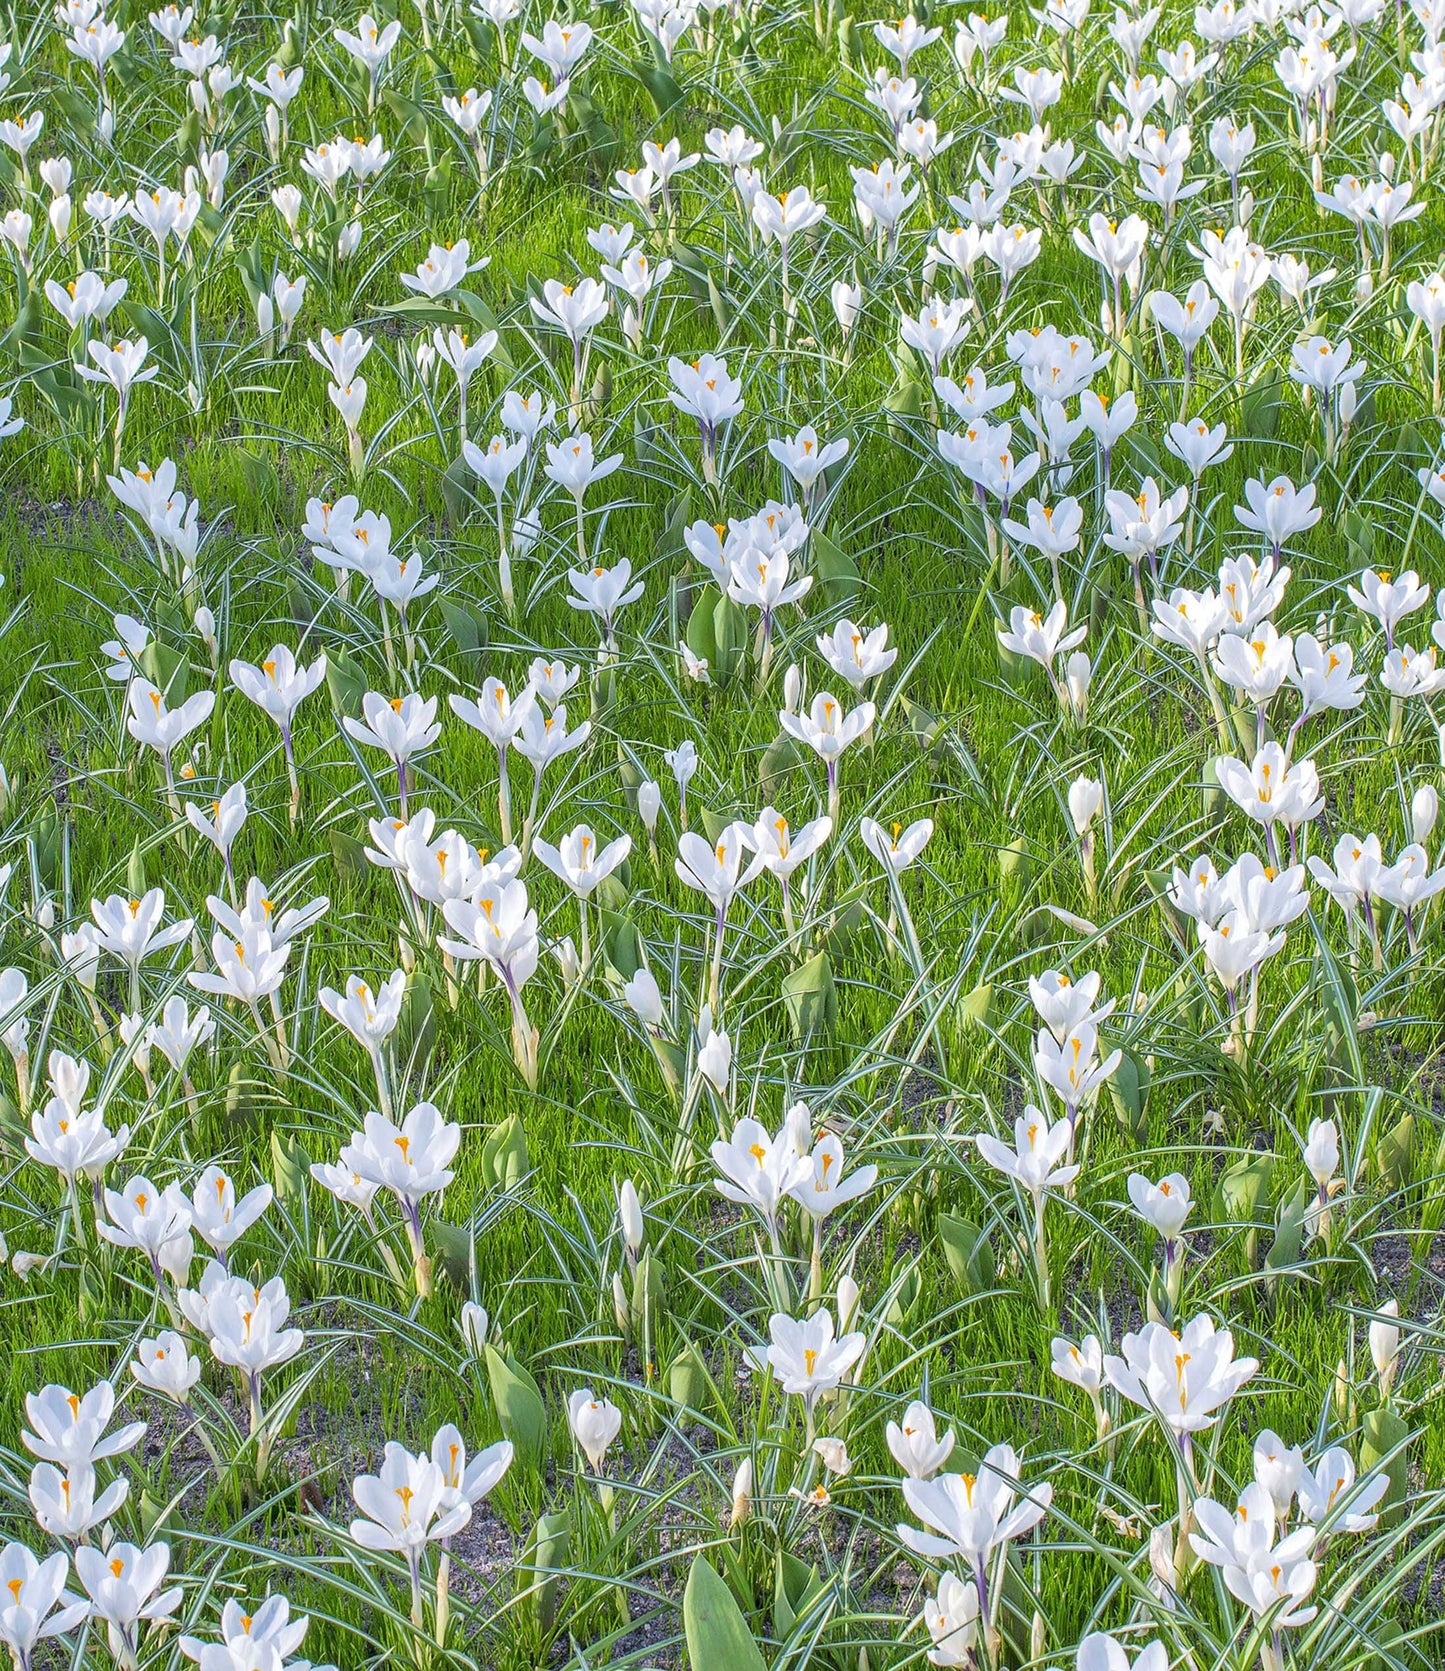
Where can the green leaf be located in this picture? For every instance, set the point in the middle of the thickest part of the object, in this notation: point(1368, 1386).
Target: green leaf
point(1129, 1092)
point(661, 84)
point(794, 1586)
point(410, 115)
point(699, 632)
point(47, 837)
point(505, 1159)
point(1288, 1244)
point(1393, 1154)
point(459, 497)
point(968, 1254)
point(1260, 406)
point(349, 854)
point(1014, 865)
point(621, 945)
point(730, 639)
point(345, 683)
point(810, 996)
point(782, 757)
point(718, 1636)
point(520, 1409)
point(1243, 1188)
point(689, 1384)
point(456, 1251)
point(290, 1168)
point(713, 823)
point(1383, 1432)
point(838, 577)
point(648, 1290)
point(467, 629)
point(168, 670)
point(545, 1555)
point(135, 871)
point(416, 1030)
point(975, 1008)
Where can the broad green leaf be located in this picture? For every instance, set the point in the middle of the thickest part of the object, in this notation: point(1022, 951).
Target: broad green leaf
point(718, 1637)
point(519, 1407)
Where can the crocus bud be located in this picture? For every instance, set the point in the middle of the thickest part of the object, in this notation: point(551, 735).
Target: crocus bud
point(1365, 286)
point(1086, 796)
point(1161, 1560)
point(742, 1505)
point(1322, 1151)
point(205, 625)
point(45, 914)
point(1387, 165)
point(475, 1325)
point(59, 214)
point(1343, 1400)
point(849, 1294)
point(595, 1423)
point(620, 1308)
point(288, 200)
point(1385, 1345)
point(629, 1210)
point(715, 1052)
point(265, 315)
point(1078, 671)
point(649, 804)
point(349, 241)
point(1349, 404)
point(642, 997)
point(1246, 206)
point(847, 303)
point(526, 530)
point(792, 688)
point(1424, 810)
point(567, 960)
point(273, 130)
point(135, 1036)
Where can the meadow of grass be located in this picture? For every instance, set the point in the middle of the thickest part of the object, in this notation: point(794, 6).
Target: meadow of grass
point(907, 1049)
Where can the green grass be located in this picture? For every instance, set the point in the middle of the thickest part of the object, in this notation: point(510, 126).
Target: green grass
point(909, 1070)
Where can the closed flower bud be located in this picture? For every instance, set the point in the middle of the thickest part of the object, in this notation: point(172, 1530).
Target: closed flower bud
point(629, 1210)
point(1161, 1558)
point(742, 1505)
point(642, 997)
point(475, 1325)
point(1086, 796)
point(649, 804)
point(1079, 670)
point(1424, 810)
point(1385, 1345)
point(847, 303)
point(792, 688)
